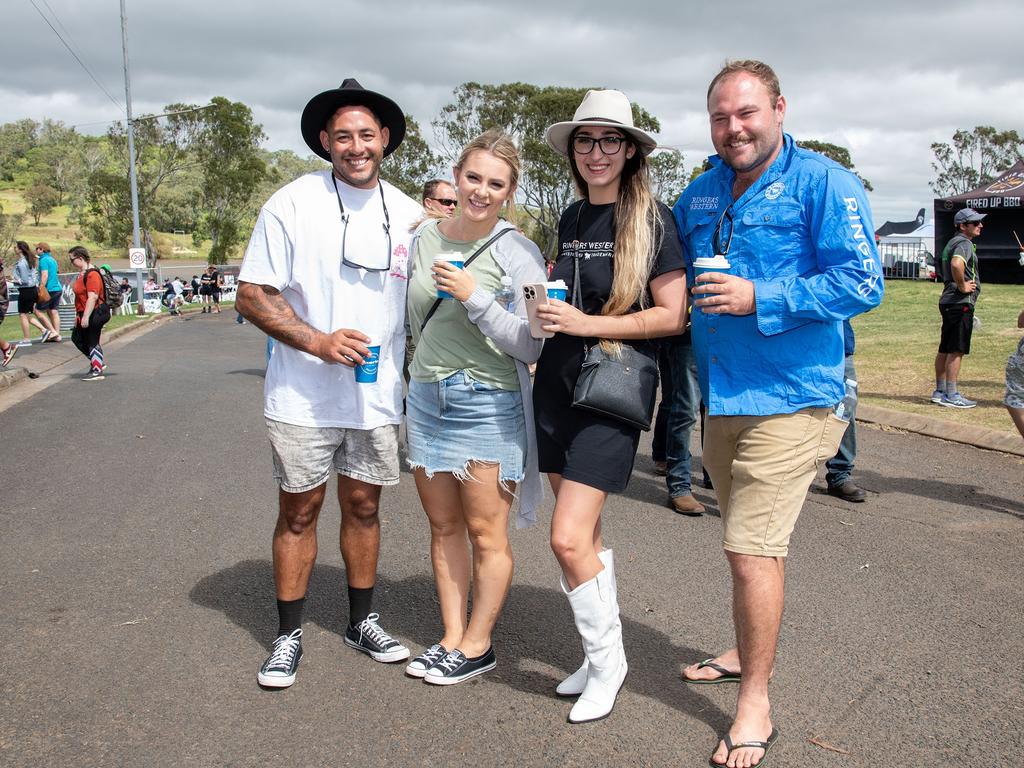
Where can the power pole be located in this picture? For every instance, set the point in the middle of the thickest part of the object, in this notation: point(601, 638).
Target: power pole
point(131, 161)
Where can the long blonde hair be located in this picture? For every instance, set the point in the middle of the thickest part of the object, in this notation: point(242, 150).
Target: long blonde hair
point(638, 234)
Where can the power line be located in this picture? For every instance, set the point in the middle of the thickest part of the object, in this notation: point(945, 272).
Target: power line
point(71, 51)
point(147, 117)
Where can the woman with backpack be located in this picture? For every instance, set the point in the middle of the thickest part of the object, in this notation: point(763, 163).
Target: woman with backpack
point(91, 311)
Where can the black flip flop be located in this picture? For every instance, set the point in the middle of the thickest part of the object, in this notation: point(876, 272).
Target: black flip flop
point(730, 747)
point(725, 676)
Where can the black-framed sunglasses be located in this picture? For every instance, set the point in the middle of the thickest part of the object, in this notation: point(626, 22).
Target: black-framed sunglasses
point(716, 241)
point(447, 201)
point(344, 231)
point(610, 145)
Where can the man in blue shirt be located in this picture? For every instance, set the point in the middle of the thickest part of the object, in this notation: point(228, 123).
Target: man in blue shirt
point(767, 334)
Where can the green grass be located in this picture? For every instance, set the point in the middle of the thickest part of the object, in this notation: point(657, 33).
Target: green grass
point(11, 328)
point(896, 346)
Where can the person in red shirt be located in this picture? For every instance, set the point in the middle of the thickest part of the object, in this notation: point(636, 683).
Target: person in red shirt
point(91, 312)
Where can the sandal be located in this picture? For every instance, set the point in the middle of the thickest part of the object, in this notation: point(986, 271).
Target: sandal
point(725, 676)
point(730, 747)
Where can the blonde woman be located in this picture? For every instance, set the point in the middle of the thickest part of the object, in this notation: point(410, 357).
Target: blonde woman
point(620, 247)
point(469, 416)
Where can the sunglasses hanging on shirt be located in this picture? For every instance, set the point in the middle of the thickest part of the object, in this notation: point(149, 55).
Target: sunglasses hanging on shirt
point(344, 231)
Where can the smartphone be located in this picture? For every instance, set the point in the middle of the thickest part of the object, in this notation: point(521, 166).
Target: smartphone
point(536, 294)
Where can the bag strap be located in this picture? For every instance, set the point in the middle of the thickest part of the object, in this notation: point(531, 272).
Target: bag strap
point(85, 282)
point(465, 264)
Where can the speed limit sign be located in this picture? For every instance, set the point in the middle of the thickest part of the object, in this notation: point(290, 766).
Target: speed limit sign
point(137, 258)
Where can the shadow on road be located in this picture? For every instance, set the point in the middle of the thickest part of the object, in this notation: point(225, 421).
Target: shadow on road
point(257, 372)
point(652, 489)
point(930, 488)
point(535, 631)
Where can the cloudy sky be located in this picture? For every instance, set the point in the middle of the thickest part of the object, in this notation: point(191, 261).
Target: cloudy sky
point(882, 77)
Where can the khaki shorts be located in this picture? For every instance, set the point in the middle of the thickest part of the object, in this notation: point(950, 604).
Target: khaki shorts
point(761, 467)
point(305, 456)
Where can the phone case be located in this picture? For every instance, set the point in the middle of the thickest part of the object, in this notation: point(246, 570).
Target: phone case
point(535, 293)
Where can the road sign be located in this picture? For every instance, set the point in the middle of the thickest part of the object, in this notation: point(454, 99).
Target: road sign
point(137, 258)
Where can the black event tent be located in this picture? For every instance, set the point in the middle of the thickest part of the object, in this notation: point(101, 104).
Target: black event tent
point(1002, 201)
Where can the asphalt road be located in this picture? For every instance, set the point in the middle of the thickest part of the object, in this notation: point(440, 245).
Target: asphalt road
point(137, 600)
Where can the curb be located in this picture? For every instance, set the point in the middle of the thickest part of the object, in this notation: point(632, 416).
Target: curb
point(9, 377)
point(980, 437)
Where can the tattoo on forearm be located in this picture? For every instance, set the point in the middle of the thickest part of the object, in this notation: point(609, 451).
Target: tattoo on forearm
point(267, 309)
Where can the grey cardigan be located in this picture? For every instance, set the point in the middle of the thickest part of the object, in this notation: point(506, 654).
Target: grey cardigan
point(24, 275)
point(521, 260)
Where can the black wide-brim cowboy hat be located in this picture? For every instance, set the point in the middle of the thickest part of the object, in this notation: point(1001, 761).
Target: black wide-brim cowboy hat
point(350, 93)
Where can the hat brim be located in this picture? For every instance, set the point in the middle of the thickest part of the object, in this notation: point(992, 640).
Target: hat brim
point(323, 105)
point(558, 135)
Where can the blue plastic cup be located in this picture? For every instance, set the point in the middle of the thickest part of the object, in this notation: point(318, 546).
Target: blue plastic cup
point(557, 290)
point(367, 372)
point(454, 259)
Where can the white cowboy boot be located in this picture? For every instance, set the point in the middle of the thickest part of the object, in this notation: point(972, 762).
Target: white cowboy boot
point(597, 620)
point(574, 683)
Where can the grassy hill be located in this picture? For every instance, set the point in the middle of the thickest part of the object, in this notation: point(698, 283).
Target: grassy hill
point(55, 229)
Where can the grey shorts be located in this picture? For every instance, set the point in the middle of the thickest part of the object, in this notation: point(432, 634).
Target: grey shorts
point(305, 456)
point(1015, 378)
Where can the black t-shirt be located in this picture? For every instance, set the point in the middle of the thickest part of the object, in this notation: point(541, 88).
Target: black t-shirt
point(215, 281)
point(587, 233)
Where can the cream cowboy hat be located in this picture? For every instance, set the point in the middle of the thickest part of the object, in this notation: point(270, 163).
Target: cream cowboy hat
point(609, 109)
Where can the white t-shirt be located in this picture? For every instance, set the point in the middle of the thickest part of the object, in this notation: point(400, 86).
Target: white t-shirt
point(178, 287)
point(296, 248)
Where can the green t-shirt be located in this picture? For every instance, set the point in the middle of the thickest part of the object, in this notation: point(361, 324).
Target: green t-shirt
point(451, 342)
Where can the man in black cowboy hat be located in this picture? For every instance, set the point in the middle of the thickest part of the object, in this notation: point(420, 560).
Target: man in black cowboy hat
point(325, 273)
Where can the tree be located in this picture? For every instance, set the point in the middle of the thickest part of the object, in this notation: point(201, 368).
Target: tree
point(524, 112)
point(974, 158)
point(162, 150)
point(227, 148)
point(10, 223)
point(56, 160)
point(16, 139)
point(413, 163)
point(42, 199)
point(837, 153)
point(668, 176)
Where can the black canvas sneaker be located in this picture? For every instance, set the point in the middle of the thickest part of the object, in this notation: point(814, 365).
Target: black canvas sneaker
point(455, 667)
point(278, 671)
point(418, 667)
point(368, 636)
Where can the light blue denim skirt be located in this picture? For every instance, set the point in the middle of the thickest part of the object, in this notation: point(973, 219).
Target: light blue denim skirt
point(458, 420)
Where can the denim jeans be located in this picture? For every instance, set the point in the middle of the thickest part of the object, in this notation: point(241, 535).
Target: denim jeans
point(677, 412)
point(840, 467)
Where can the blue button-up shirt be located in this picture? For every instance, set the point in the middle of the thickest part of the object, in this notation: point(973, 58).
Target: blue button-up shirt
point(803, 234)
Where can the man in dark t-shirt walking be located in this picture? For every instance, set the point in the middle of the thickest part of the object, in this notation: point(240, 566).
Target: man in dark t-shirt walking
point(956, 305)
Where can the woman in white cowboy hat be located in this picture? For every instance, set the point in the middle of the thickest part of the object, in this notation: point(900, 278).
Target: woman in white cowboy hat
point(620, 254)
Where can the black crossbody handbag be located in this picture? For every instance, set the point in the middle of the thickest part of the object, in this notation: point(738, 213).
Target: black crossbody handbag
point(620, 387)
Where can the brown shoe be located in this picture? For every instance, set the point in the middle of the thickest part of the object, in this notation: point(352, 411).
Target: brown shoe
point(661, 468)
point(686, 505)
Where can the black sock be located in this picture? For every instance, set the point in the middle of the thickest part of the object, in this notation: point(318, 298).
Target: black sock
point(289, 615)
point(359, 603)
